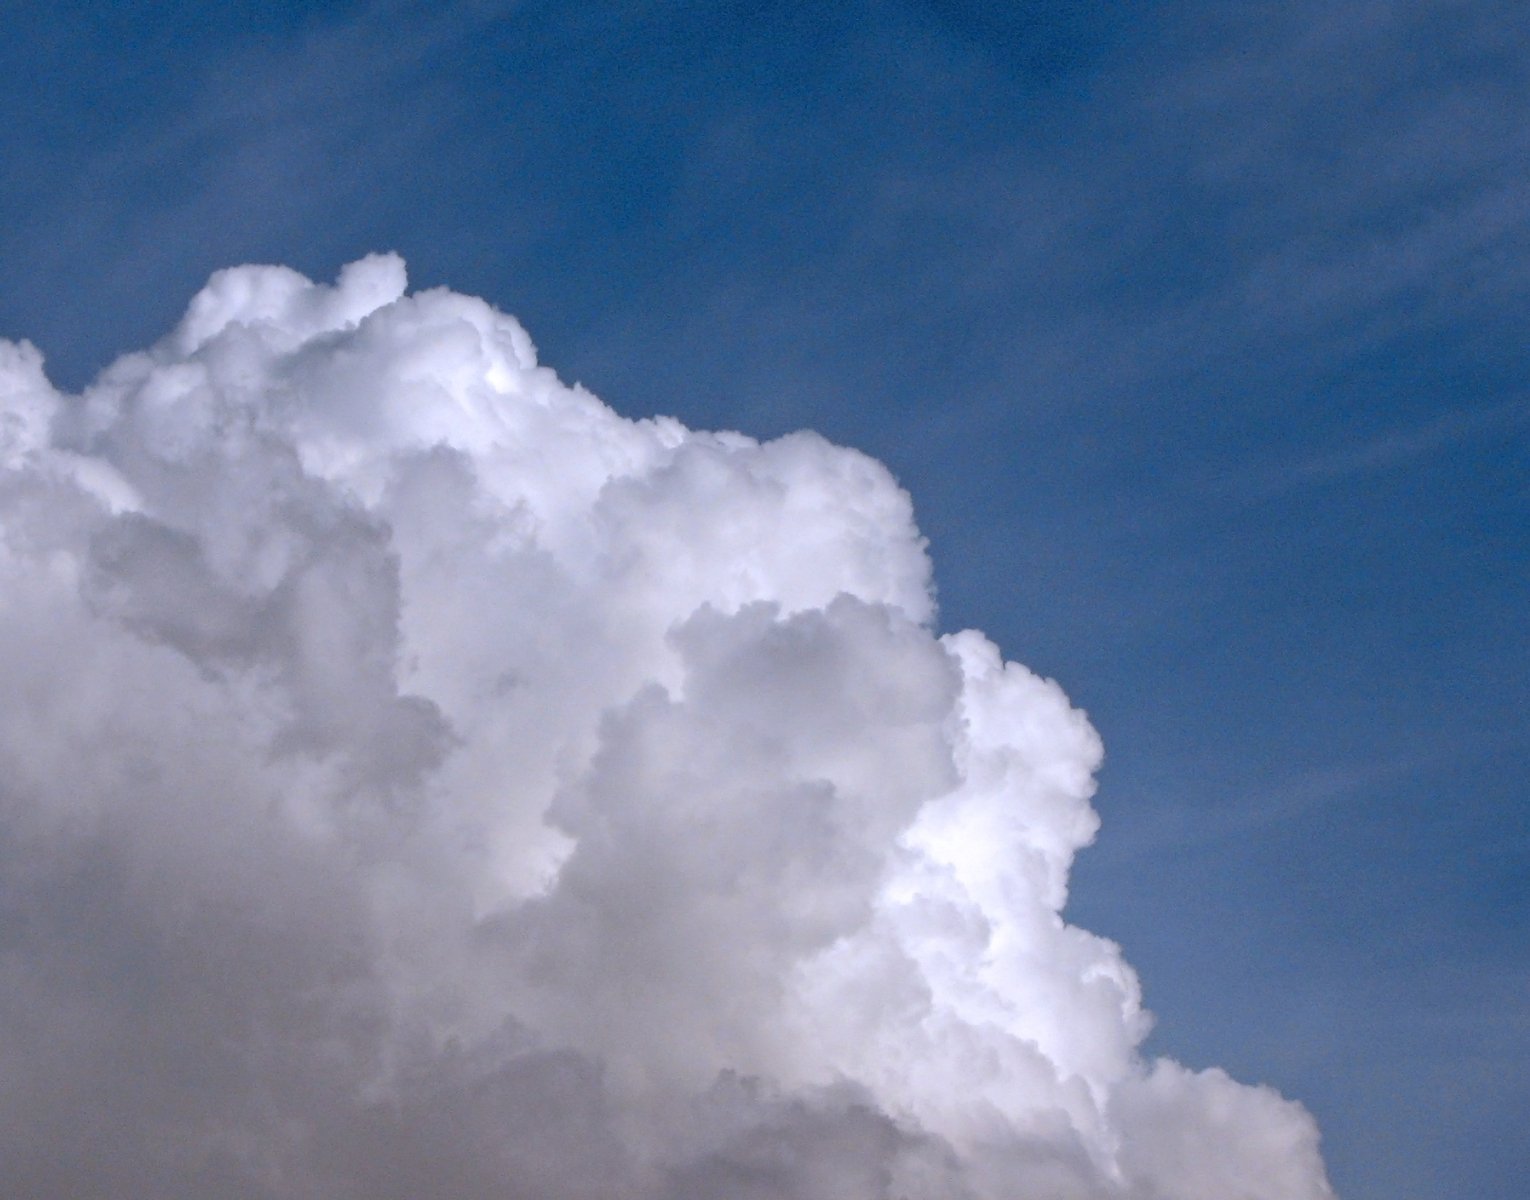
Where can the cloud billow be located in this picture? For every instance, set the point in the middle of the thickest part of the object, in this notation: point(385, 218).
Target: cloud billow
point(418, 780)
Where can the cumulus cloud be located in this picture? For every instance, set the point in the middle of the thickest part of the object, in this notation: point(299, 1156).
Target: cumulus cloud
point(417, 779)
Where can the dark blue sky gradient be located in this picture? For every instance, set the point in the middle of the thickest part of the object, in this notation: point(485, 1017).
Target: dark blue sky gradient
point(1197, 332)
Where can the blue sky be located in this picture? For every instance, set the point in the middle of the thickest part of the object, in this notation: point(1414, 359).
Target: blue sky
point(1196, 332)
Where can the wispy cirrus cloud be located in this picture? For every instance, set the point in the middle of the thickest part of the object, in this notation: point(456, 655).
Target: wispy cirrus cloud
point(1393, 450)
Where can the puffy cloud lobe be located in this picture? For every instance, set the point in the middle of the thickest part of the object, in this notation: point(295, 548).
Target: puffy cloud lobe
point(417, 779)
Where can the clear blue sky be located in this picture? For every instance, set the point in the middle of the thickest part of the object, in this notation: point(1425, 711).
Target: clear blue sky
point(1197, 331)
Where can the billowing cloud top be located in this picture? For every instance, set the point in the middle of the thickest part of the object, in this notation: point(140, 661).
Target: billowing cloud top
point(418, 780)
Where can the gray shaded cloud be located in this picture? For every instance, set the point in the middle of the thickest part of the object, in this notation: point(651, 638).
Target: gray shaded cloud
point(418, 779)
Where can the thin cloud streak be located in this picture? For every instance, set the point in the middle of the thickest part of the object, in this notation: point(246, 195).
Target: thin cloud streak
point(1394, 450)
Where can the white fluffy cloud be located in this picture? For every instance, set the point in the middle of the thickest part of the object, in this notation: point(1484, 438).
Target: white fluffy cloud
point(418, 780)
